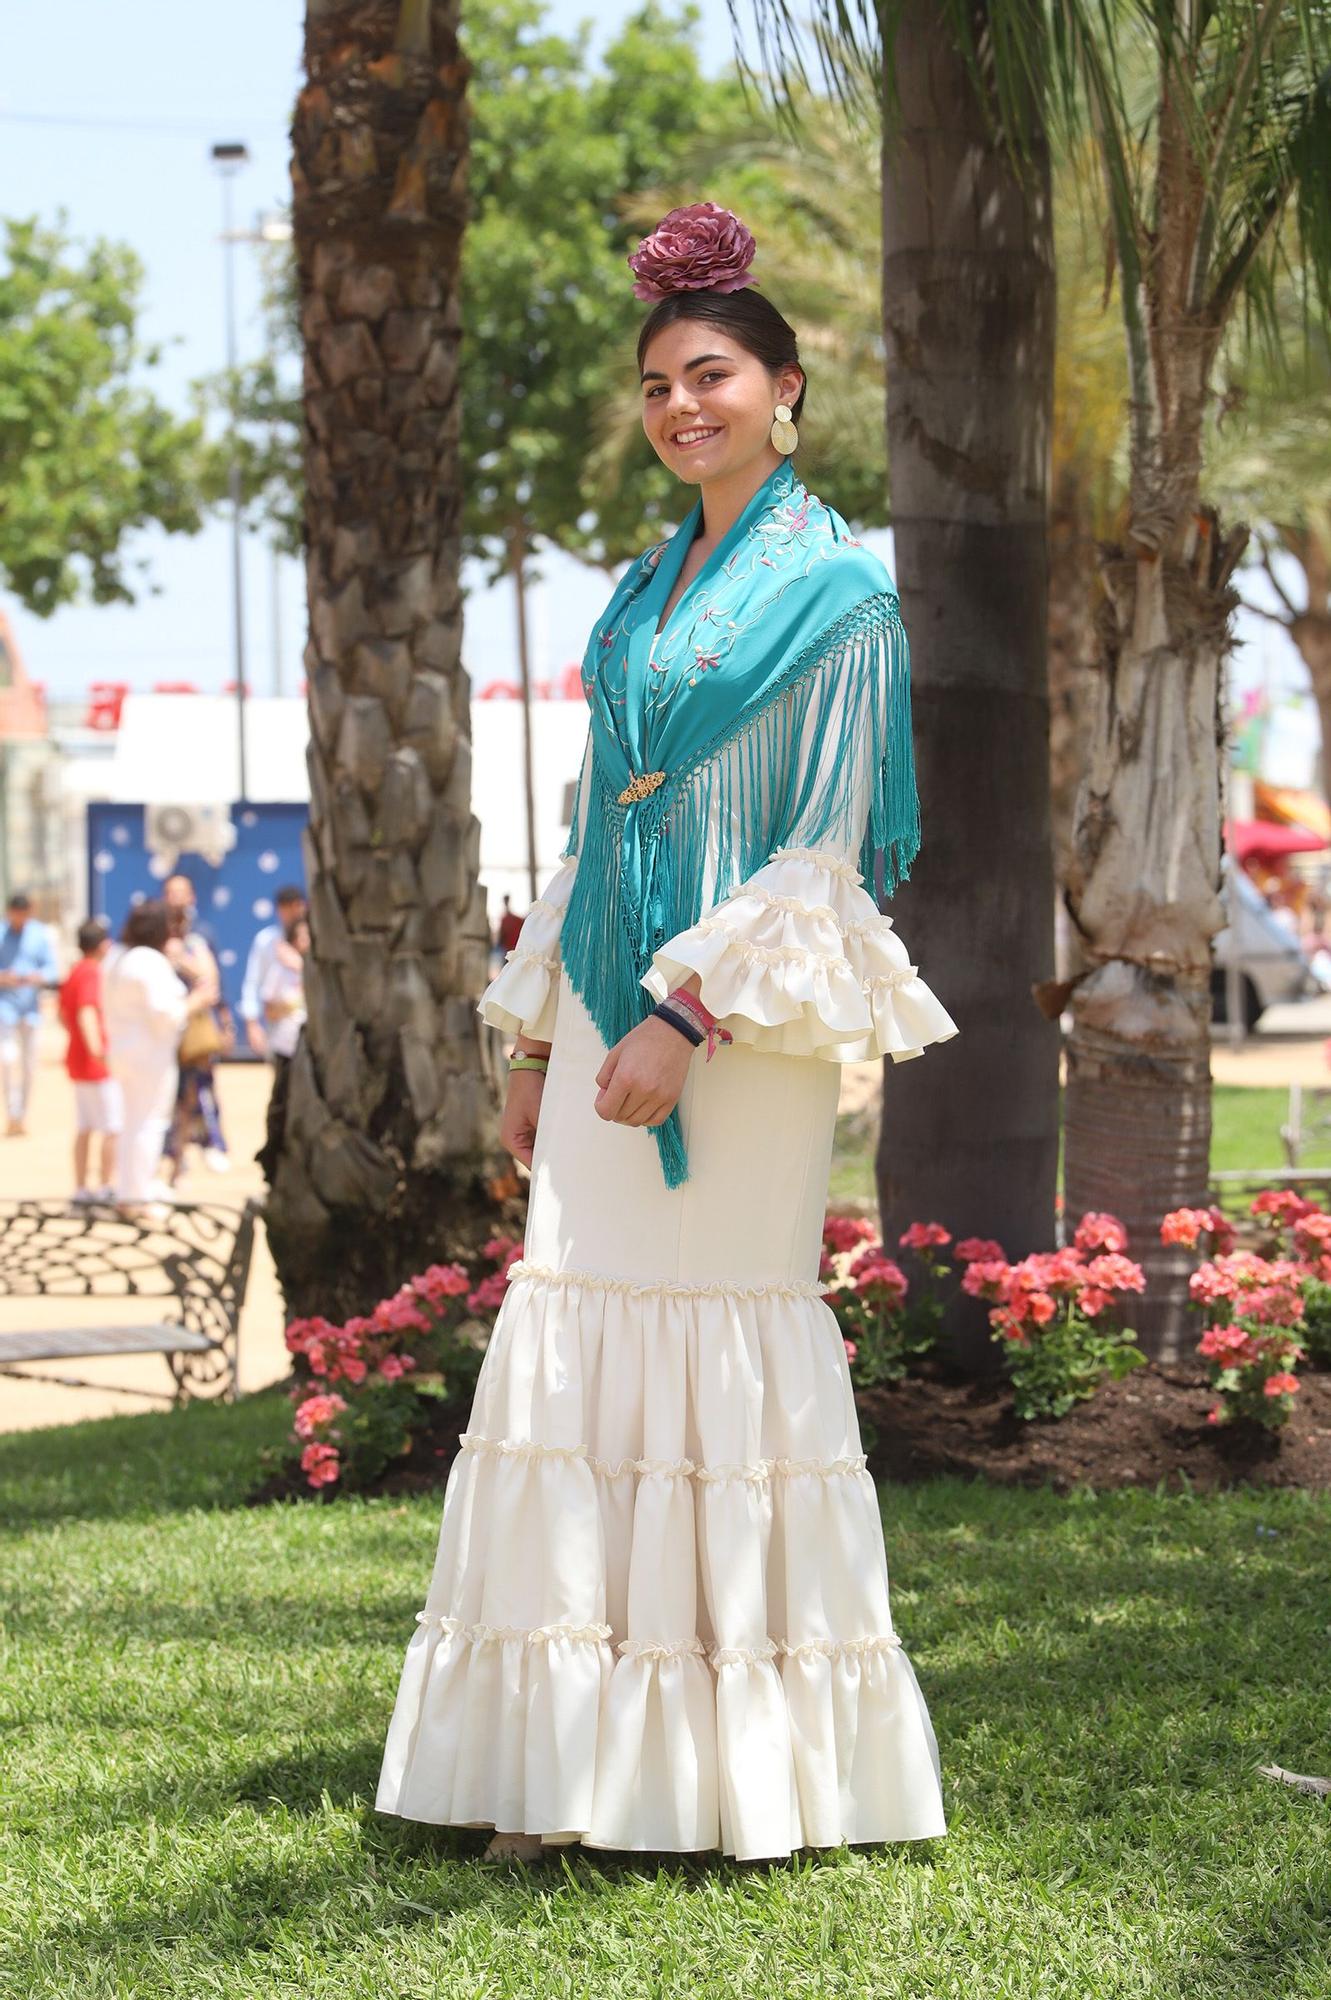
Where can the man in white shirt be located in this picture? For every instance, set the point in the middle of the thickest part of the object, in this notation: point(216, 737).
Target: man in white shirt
point(290, 904)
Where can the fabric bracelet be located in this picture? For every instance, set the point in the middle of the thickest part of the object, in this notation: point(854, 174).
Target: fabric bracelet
point(684, 1024)
point(691, 1001)
point(522, 1061)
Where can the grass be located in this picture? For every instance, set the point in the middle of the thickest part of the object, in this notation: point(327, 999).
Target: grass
point(1245, 1133)
point(193, 1698)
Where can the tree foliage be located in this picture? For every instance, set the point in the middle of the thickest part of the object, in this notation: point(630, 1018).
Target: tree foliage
point(87, 453)
point(570, 166)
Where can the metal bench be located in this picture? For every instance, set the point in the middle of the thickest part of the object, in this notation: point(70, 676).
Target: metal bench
point(195, 1254)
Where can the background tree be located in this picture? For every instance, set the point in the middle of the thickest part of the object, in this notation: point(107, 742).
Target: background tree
point(1207, 171)
point(968, 327)
point(388, 1142)
point(1207, 182)
point(1268, 460)
point(87, 454)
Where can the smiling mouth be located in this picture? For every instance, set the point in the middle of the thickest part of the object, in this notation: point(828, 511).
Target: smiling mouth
point(687, 440)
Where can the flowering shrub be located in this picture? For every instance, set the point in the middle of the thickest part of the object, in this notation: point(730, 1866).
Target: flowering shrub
point(1054, 1312)
point(426, 1340)
point(1255, 1301)
point(883, 1332)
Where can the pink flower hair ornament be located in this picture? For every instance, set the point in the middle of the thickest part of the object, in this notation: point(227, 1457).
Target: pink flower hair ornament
point(701, 248)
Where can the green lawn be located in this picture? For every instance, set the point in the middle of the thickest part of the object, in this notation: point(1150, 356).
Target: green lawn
point(1245, 1134)
point(194, 1695)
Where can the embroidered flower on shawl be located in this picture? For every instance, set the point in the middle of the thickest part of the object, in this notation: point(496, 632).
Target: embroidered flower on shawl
point(700, 248)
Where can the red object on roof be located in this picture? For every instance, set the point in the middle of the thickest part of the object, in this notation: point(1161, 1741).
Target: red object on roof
point(105, 701)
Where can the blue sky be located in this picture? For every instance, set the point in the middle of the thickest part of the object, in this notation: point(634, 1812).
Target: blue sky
point(107, 111)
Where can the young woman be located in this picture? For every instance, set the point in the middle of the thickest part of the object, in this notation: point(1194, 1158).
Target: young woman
point(659, 1612)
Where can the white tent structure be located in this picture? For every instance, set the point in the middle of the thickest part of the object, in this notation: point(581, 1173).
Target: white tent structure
point(183, 749)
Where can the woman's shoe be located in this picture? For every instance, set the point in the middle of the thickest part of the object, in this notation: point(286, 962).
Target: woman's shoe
point(524, 1847)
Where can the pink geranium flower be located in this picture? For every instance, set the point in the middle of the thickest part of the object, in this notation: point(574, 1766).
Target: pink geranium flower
point(980, 1249)
point(1116, 1274)
point(441, 1281)
point(921, 1235)
point(1280, 1385)
point(843, 1232)
point(320, 1464)
point(316, 1411)
point(1098, 1230)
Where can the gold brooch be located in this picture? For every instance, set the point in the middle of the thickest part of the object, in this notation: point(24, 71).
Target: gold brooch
point(641, 787)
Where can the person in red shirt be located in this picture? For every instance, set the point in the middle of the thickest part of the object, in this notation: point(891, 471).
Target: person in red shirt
point(510, 927)
point(96, 1092)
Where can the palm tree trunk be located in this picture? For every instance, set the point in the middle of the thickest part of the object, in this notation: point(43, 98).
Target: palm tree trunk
point(970, 1133)
point(388, 1139)
point(1144, 880)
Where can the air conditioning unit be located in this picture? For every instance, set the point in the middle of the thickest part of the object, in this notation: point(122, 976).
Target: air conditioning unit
point(173, 830)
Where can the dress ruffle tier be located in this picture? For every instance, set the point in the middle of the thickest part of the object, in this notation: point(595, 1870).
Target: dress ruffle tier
point(659, 1616)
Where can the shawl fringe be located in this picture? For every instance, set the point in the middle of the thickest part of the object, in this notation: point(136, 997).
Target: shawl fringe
point(792, 769)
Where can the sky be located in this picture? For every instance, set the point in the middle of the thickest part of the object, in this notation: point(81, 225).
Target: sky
point(107, 113)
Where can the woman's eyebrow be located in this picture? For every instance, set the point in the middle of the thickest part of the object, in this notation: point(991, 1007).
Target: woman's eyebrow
point(655, 375)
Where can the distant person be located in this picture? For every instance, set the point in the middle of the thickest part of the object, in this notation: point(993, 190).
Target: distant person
point(179, 893)
point(96, 1093)
point(197, 1118)
point(510, 927)
point(27, 964)
point(146, 1008)
point(290, 904)
point(283, 996)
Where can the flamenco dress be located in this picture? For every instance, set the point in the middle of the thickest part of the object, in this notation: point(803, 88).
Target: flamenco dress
point(659, 1613)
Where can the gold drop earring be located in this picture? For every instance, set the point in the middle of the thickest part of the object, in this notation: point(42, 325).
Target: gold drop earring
point(784, 434)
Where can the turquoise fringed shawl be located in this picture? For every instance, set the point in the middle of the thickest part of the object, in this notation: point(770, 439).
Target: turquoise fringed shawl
point(790, 635)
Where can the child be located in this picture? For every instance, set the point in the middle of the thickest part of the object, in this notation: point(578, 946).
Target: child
point(96, 1092)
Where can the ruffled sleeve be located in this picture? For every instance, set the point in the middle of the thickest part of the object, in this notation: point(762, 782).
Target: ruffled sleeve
point(798, 959)
point(801, 962)
point(523, 996)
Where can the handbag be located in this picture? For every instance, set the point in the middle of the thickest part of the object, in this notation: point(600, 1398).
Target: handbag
point(202, 1038)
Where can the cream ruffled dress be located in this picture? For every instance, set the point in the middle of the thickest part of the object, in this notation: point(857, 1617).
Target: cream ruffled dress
point(659, 1614)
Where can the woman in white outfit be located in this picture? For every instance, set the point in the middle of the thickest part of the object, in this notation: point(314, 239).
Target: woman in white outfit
point(146, 1007)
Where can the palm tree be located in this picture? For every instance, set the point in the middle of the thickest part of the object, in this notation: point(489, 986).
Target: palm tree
point(971, 1139)
point(389, 1137)
point(1205, 172)
point(1202, 176)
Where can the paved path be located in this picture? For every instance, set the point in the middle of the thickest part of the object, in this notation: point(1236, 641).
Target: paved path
point(1288, 1048)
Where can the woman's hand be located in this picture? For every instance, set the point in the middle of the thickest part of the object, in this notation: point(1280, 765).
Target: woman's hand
point(522, 1108)
point(643, 1074)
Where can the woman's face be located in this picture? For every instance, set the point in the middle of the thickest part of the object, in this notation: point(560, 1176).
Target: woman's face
point(708, 404)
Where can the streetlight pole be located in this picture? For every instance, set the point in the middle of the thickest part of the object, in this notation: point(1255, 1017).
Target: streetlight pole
point(229, 159)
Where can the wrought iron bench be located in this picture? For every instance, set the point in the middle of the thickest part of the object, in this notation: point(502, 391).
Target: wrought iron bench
point(195, 1254)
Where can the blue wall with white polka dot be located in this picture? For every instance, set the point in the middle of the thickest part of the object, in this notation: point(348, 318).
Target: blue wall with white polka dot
point(235, 900)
